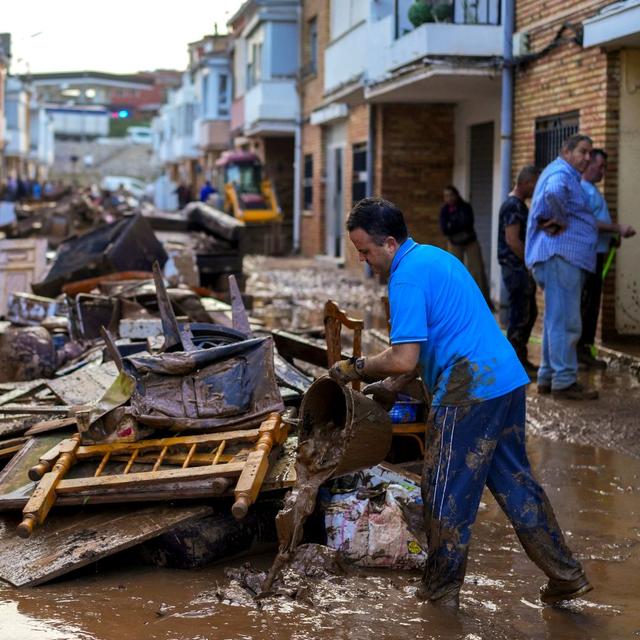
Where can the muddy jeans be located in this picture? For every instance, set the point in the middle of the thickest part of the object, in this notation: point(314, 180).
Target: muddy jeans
point(466, 448)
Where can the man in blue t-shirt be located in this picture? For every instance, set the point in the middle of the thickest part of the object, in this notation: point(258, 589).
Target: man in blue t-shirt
point(442, 328)
point(607, 230)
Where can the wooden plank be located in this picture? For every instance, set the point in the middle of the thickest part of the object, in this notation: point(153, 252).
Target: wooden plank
point(292, 346)
point(69, 541)
point(46, 426)
point(34, 408)
point(21, 390)
point(151, 477)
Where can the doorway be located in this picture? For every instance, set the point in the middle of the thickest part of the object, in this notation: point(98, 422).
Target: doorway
point(481, 184)
point(335, 201)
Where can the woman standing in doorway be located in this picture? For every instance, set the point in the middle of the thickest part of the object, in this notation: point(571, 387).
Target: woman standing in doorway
point(456, 223)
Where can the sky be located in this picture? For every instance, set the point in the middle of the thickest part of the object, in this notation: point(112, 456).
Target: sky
point(116, 36)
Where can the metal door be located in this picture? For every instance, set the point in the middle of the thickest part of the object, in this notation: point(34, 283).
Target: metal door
point(335, 201)
point(481, 184)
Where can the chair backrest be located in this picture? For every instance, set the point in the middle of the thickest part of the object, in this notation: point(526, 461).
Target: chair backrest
point(334, 319)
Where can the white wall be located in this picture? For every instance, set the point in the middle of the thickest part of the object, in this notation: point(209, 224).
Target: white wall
point(468, 113)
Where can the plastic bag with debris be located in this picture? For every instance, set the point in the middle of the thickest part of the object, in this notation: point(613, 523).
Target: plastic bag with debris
point(368, 527)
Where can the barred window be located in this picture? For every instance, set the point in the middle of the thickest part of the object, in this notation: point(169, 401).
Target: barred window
point(551, 132)
point(307, 183)
point(359, 181)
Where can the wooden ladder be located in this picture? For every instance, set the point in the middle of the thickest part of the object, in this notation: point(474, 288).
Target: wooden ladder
point(193, 458)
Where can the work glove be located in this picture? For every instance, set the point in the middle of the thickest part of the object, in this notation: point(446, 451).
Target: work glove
point(382, 393)
point(344, 371)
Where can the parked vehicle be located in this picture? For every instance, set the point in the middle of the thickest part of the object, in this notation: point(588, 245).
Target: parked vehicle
point(134, 186)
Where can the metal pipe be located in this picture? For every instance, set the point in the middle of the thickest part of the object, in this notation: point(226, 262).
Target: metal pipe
point(297, 151)
point(506, 109)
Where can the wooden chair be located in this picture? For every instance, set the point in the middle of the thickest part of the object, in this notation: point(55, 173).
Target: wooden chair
point(334, 319)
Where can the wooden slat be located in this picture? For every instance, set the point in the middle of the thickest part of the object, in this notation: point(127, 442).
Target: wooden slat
point(50, 425)
point(29, 409)
point(150, 477)
point(91, 451)
point(22, 390)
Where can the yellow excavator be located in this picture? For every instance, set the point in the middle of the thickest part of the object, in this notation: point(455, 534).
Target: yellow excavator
point(247, 196)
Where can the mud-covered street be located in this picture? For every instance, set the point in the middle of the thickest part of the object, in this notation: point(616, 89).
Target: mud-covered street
point(595, 494)
point(586, 455)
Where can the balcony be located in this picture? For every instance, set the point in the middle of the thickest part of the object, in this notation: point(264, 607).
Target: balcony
point(213, 134)
point(345, 58)
point(17, 143)
point(617, 25)
point(455, 29)
point(184, 147)
point(271, 107)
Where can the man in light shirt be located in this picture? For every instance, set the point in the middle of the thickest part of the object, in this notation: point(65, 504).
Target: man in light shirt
point(560, 250)
point(607, 230)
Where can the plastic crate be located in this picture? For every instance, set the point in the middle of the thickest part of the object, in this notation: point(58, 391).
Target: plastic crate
point(405, 411)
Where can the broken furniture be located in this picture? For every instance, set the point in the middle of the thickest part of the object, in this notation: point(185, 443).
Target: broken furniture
point(21, 263)
point(334, 319)
point(76, 539)
point(192, 458)
point(195, 382)
point(126, 245)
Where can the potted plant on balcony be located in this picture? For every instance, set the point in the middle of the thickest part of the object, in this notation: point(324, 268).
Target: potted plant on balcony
point(443, 11)
point(420, 12)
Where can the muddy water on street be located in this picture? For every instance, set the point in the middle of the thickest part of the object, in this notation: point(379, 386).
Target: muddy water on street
point(612, 421)
point(595, 493)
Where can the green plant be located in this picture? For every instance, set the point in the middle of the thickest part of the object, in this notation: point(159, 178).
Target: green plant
point(443, 12)
point(420, 12)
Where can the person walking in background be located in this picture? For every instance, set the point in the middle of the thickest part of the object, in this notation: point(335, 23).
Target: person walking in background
point(184, 194)
point(457, 224)
point(560, 249)
point(592, 290)
point(206, 191)
point(518, 281)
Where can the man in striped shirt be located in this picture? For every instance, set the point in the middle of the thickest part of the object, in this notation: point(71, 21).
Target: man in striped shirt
point(560, 250)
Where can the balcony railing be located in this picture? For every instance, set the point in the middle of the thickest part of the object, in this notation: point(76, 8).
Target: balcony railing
point(469, 12)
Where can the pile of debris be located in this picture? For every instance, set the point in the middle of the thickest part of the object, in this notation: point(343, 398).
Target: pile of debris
point(142, 401)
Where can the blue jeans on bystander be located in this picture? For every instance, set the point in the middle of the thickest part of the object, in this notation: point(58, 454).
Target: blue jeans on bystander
point(562, 285)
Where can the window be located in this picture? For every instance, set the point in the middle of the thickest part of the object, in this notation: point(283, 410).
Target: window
point(254, 66)
point(307, 183)
point(359, 180)
point(313, 47)
point(223, 94)
point(346, 14)
point(551, 132)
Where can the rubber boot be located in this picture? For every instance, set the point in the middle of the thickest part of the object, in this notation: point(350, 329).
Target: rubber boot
point(550, 553)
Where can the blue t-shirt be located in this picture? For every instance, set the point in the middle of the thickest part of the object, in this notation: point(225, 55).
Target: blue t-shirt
point(464, 357)
point(598, 205)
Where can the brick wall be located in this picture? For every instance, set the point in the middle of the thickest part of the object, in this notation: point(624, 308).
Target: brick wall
point(414, 162)
point(312, 223)
point(312, 84)
point(357, 133)
point(569, 78)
